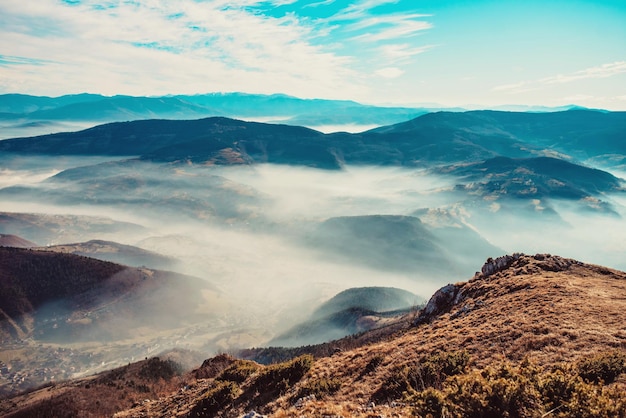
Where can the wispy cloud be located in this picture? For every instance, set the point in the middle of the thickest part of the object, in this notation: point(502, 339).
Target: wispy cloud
point(389, 72)
point(149, 46)
point(6, 61)
point(391, 28)
point(402, 52)
point(600, 71)
point(320, 3)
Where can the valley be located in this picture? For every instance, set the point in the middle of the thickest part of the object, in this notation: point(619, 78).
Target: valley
point(159, 237)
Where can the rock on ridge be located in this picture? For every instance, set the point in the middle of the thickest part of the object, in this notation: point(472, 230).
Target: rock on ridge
point(444, 299)
point(501, 263)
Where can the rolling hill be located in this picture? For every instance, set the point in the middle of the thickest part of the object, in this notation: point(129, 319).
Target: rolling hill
point(434, 138)
point(54, 296)
point(527, 336)
point(349, 312)
point(402, 243)
point(116, 253)
point(53, 229)
point(15, 241)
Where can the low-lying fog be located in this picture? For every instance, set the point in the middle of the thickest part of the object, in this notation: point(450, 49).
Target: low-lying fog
point(260, 233)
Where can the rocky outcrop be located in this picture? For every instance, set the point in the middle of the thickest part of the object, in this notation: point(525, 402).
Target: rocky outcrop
point(493, 266)
point(462, 295)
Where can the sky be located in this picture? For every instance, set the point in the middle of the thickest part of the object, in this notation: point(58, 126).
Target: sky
point(483, 53)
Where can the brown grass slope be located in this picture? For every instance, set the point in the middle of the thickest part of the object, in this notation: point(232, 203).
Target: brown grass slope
point(530, 336)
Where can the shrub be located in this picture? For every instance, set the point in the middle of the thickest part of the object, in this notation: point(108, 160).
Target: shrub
point(430, 371)
point(604, 367)
point(215, 399)
point(434, 369)
point(431, 403)
point(279, 377)
point(239, 371)
point(493, 392)
point(320, 388)
point(155, 368)
point(557, 387)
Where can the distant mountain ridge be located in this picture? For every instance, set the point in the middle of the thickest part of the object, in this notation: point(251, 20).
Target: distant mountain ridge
point(433, 138)
point(94, 107)
point(504, 154)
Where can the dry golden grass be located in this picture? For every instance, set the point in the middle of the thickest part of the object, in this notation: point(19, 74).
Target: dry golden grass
point(541, 310)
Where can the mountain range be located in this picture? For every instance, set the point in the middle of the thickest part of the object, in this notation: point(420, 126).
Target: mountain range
point(494, 154)
point(36, 113)
point(193, 236)
point(440, 137)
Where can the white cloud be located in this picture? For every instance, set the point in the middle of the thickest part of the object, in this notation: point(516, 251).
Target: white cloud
point(601, 71)
point(401, 52)
point(390, 72)
point(157, 47)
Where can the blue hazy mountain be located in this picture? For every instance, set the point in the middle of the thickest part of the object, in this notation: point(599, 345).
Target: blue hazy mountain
point(93, 107)
point(434, 138)
point(502, 154)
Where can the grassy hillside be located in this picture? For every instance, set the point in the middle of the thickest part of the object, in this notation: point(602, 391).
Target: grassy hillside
point(529, 336)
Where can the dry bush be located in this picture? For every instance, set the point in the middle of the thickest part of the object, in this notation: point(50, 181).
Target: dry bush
point(215, 399)
point(319, 388)
point(605, 367)
point(239, 371)
point(430, 371)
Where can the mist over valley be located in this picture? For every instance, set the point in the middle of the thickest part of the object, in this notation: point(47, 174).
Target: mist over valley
point(232, 234)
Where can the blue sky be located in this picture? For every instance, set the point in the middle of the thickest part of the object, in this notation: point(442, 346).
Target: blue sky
point(451, 52)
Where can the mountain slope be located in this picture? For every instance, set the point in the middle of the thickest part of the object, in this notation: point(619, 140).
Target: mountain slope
point(386, 242)
point(430, 139)
point(349, 312)
point(115, 253)
point(539, 179)
point(15, 241)
point(47, 229)
point(580, 133)
point(527, 336)
point(65, 297)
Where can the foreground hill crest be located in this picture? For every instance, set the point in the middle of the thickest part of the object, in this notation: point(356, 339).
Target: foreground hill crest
point(506, 267)
point(496, 345)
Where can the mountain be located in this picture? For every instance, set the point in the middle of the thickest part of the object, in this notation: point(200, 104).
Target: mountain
point(115, 253)
point(24, 104)
point(581, 134)
point(52, 229)
point(349, 312)
point(386, 242)
point(400, 243)
point(206, 141)
point(15, 241)
point(64, 315)
point(55, 296)
point(527, 336)
point(431, 139)
point(277, 107)
point(161, 190)
point(535, 178)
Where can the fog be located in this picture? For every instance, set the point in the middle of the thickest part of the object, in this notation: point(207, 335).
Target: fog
point(24, 128)
point(263, 236)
